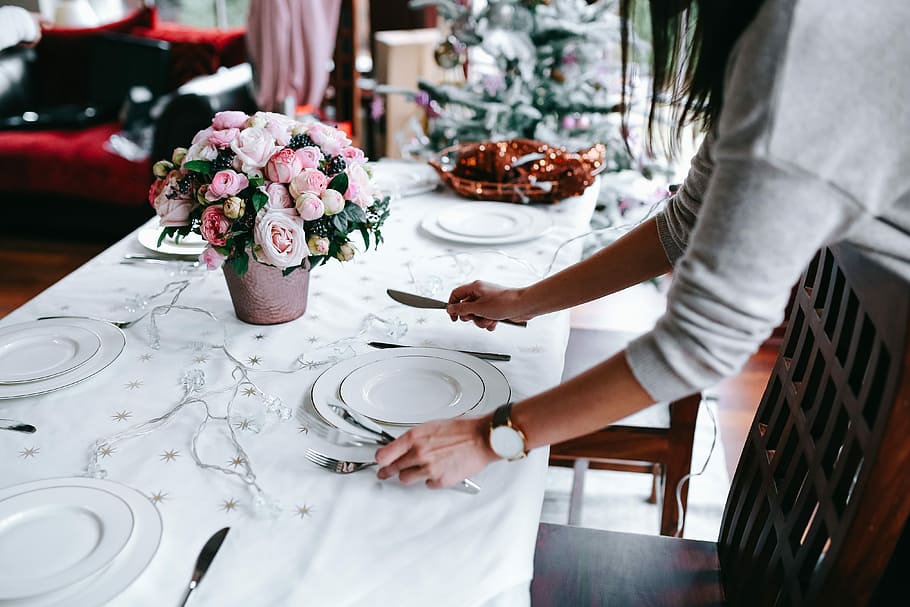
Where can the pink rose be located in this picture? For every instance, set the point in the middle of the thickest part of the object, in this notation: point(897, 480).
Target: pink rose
point(333, 202)
point(283, 166)
point(202, 136)
point(223, 138)
point(212, 258)
point(280, 239)
point(201, 150)
point(331, 140)
point(360, 190)
point(309, 180)
point(226, 183)
point(318, 245)
point(172, 207)
point(279, 197)
point(310, 206)
point(215, 225)
point(279, 126)
point(254, 146)
point(229, 120)
point(310, 157)
point(154, 190)
point(353, 156)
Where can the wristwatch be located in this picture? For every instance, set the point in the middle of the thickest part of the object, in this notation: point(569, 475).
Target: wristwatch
point(506, 440)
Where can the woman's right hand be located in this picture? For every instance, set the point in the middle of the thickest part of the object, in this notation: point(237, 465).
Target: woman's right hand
point(486, 303)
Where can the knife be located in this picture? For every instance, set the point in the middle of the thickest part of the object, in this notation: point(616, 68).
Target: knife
point(17, 426)
point(204, 560)
point(365, 423)
point(418, 301)
point(486, 355)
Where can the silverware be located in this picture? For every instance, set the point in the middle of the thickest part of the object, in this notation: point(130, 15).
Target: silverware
point(161, 257)
point(204, 560)
point(16, 426)
point(486, 355)
point(418, 301)
point(361, 421)
point(340, 466)
point(122, 324)
point(136, 259)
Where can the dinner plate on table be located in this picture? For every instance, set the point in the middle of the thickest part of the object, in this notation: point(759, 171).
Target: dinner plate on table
point(487, 223)
point(73, 541)
point(403, 178)
point(40, 351)
point(111, 343)
point(403, 387)
point(190, 245)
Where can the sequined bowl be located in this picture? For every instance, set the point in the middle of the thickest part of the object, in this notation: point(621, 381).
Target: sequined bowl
point(518, 170)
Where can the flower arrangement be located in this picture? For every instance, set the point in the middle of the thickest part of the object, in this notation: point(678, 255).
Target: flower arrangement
point(286, 192)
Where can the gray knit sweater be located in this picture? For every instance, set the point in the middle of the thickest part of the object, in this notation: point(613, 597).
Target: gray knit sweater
point(812, 147)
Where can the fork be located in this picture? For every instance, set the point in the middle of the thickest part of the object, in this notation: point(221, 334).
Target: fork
point(342, 467)
point(122, 324)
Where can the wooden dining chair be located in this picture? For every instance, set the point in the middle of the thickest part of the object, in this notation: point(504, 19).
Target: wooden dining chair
point(657, 441)
point(821, 494)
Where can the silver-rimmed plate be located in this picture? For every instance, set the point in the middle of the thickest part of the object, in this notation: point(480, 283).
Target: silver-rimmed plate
point(326, 388)
point(190, 245)
point(112, 339)
point(487, 223)
point(33, 351)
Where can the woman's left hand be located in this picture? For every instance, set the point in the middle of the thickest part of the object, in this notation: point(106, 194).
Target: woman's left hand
point(442, 453)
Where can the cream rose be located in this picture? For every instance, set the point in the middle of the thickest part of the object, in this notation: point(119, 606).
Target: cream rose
point(332, 201)
point(254, 146)
point(309, 180)
point(310, 206)
point(279, 238)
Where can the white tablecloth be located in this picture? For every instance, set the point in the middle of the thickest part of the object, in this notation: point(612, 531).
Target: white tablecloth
point(338, 540)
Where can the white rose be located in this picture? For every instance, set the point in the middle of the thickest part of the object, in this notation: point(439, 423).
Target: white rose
point(254, 146)
point(332, 201)
point(280, 238)
point(201, 151)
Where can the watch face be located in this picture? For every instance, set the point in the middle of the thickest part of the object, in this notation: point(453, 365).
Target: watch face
point(506, 442)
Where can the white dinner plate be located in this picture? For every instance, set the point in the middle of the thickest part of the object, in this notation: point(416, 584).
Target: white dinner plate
point(487, 223)
point(403, 177)
point(53, 537)
point(408, 390)
point(326, 388)
point(125, 568)
point(190, 245)
point(36, 352)
point(112, 342)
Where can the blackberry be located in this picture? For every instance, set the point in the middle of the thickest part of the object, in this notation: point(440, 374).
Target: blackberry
point(300, 141)
point(335, 165)
point(223, 161)
point(319, 227)
point(184, 184)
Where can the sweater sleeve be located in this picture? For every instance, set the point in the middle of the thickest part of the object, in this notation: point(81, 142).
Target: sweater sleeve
point(759, 226)
point(16, 25)
point(675, 222)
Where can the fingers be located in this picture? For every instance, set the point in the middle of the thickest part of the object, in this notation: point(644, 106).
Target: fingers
point(394, 450)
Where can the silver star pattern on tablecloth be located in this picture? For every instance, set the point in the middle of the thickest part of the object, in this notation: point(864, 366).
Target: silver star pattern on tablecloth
point(254, 360)
point(169, 456)
point(29, 452)
point(158, 497)
point(121, 416)
point(304, 511)
point(229, 505)
point(133, 385)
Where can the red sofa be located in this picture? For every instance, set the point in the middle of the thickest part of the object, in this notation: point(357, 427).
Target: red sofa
point(67, 170)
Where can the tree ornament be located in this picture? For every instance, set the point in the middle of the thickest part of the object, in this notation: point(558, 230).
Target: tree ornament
point(449, 53)
point(558, 75)
point(509, 16)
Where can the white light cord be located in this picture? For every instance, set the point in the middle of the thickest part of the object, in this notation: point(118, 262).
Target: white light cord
point(706, 401)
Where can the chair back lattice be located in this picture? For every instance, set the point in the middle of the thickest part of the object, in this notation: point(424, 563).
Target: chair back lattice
point(822, 489)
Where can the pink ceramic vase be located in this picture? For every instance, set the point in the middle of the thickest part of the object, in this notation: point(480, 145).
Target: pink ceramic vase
point(263, 296)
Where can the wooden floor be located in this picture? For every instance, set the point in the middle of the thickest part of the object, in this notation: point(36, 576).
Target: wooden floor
point(27, 267)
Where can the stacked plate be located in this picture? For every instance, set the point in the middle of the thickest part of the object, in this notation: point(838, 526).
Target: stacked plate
point(487, 223)
point(190, 245)
point(73, 541)
point(402, 387)
point(45, 355)
point(403, 178)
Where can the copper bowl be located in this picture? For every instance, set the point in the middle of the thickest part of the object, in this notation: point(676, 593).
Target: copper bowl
point(518, 170)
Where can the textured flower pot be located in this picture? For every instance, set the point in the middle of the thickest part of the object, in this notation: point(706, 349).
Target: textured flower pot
point(263, 296)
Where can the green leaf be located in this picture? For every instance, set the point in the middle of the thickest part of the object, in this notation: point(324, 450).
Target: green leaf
point(199, 166)
point(354, 212)
point(287, 271)
point(260, 199)
point(256, 181)
point(339, 183)
point(165, 232)
point(340, 222)
point(317, 260)
point(366, 236)
point(241, 263)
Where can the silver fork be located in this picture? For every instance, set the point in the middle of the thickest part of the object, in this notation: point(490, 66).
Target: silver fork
point(336, 465)
point(342, 467)
point(122, 324)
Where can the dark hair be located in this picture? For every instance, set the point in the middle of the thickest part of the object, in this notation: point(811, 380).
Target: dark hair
point(691, 42)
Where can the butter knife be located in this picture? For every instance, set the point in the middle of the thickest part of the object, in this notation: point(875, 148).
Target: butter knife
point(418, 301)
point(365, 423)
point(204, 560)
point(486, 355)
point(17, 426)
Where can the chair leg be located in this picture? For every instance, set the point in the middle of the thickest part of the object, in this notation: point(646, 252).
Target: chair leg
point(578, 491)
point(656, 472)
point(683, 414)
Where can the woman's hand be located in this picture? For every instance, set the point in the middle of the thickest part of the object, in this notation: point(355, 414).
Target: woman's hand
point(486, 303)
point(441, 453)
